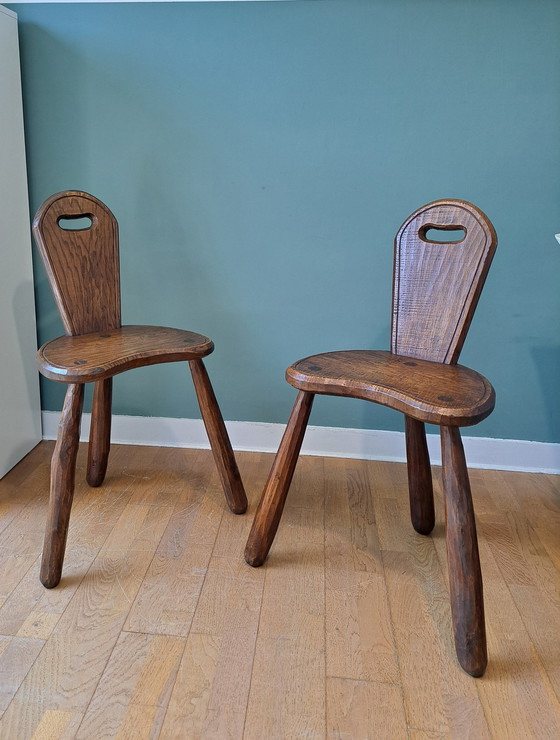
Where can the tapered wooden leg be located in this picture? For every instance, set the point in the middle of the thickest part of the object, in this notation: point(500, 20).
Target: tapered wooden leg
point(465, 578)
point(280, 477)
point(420, 489)
point(219, 439)
point(63, 469)
point(100, 432)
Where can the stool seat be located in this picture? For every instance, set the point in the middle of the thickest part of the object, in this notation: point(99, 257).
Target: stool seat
point(100, 355)
point(428, 391)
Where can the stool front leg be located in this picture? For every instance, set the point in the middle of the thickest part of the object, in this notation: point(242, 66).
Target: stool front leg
point(276, 489)
point(465, 577)
point(63, 470)
point(100, 432)
point(420, 490)
point(219, 439)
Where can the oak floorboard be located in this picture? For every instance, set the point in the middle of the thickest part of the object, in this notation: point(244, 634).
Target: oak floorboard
point(24, 483)
point(517, 676)
point(344, 632)
point(359, 635)
point(516, 681)
point(438, 696)
point(68, 669)
point(291, 633)
point(362, 710)
point(57, 724)
point(23, 504)
point(17, 655)
point(33, 611)
point(132, 695)
point(210, 695)
point(167, 598)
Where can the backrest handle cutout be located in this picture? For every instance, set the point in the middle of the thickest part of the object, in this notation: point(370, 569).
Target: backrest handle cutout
point(76, 222)
point(442, 234)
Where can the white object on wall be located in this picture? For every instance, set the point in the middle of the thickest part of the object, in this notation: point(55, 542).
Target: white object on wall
point(20, 406)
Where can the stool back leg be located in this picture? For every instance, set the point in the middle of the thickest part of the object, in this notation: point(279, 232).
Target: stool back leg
point(100, 432)
point(465, 578)
point(280, 477)
point(63, 470)
point(420, 490)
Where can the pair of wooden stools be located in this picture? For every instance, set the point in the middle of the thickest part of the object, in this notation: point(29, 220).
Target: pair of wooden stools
point(436, 286)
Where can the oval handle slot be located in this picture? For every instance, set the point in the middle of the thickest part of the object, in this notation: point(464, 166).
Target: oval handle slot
point(452, 234)
point(79, 222)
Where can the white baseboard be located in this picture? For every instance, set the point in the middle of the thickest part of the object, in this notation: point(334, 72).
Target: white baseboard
point(367, 444)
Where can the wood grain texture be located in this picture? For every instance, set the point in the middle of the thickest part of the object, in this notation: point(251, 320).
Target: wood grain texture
point(360, 643)
point(82, 265)
point(272, 502)
point(465, 577)
point(427, 391)
point(76, 654)
point(219, 439)
point(438, 696)
point(99, 432)
point(210, 695)
point(63, 470)
point(420, 489)
point(436, 286)
point(183, 553)
point(17, 655)
point(263, 647)
point(209, 699)
point(144, 667)
point(93, 357)
point(384, 715)
point(291, 633)
point(31, 610)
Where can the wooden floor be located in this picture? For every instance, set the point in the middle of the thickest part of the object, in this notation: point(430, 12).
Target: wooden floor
point(159, 628)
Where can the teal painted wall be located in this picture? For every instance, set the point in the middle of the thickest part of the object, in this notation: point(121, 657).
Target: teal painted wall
point(260, 158)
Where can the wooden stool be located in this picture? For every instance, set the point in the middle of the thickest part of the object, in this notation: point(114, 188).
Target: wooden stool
point(436, 286)
point(82, 265)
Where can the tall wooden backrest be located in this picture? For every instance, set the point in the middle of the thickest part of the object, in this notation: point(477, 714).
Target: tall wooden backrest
point(82, 263)
point(436, 284)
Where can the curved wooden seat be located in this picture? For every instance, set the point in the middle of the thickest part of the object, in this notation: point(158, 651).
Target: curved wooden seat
point(92, 357)
point(428, 391)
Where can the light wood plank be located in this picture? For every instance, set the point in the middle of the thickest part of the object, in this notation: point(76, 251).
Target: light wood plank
point(70, 665)
point(57, 724)
point(33, 611)
point(132, 696)
point(210, 695)
point(193, 708)
point(17, 655)
point(359, 634)
point(438, 696)
point(292, 624)
point(350, 593)
point(359, 710)
point(169, 593)
point(516, 681)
